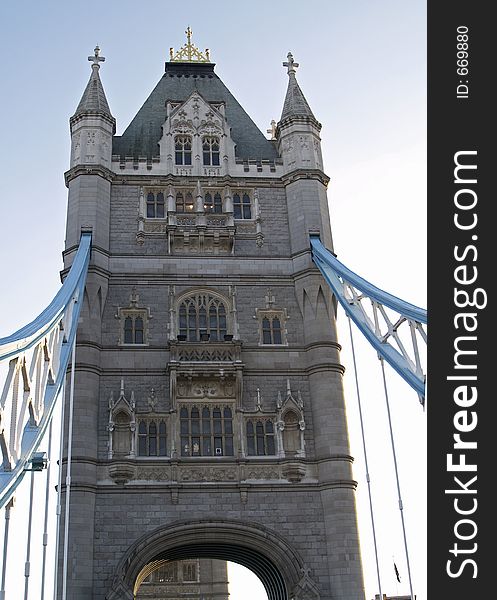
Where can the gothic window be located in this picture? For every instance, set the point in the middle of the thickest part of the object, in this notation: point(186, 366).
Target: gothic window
point(260, 438)
point(190, 571)
point(155, 205)
point(184, 202)
point(134, 323)
point(166, 573)
point(241, 206)
point(271, 328)
point(202, 317)
point(207, 431)
point(183, 150)
point(213, 204)
point(152, 437)
point(210, 151)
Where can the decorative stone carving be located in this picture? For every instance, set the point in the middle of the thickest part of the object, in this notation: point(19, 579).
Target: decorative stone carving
point(153, 473)
point(208, 474)
point(122, 426)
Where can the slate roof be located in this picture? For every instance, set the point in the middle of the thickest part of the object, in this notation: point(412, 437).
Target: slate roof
point(295, 104)
point(142, 135)
point(93, 100)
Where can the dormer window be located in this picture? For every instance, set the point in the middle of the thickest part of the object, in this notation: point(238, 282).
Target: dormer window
point(183, 149)
point(213, 203)
point(210, 150)
point(155, 205)
point(241, 206)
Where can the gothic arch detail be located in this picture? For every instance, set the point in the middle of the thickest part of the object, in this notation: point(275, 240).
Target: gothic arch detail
point(260, 549)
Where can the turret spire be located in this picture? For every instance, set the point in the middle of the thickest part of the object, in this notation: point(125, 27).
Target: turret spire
point(295, 104)
point(93, 100)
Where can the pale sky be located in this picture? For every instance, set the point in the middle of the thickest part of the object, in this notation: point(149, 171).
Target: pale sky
point(363, 72)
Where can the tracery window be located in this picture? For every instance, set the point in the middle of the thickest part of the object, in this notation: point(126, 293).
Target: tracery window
point(184, 202)
point(241, 206)
point(190, 572)
point(213, 203)
point(206, 431)
point(183, 150)
point(155, 205)
point(210, 151)
point(166, 573)
point(152, 439)
point(260, 438)
point(202, 317)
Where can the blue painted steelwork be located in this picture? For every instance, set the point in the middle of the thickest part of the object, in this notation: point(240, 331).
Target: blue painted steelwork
point(49, 338)
point(339, 277)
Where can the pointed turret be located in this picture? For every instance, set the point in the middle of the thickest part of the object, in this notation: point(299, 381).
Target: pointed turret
point(92, 125)
point(299, 145)
point(295, 104)
point(298, 129)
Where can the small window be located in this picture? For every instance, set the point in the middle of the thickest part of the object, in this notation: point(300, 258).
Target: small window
point(213, 203)
point(183, 150)
point(155, 205)
point(210, 151)
point(260, 438)
point(152, 437)
point(184, 202)
point(241, 206)
point(271, 330)
point(134, 329)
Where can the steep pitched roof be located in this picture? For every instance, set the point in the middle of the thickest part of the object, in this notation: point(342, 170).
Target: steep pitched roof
point(93, 100)
point(295, 104)
point(142, 135)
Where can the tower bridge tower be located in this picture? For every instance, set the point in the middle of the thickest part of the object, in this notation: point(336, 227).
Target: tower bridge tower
point(209, 418)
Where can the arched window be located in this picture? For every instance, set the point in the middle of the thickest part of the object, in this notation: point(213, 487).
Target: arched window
point(134, 330)
point(241, 206)
point(260, 438)
point(152, 437)
point(190, 571)
point(206, 432)
point(202, 317)
point(183, 150)
point(210, 151)
point(184, 202)
point(155, 205)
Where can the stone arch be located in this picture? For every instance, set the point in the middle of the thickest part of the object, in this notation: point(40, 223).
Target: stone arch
point(258, 548)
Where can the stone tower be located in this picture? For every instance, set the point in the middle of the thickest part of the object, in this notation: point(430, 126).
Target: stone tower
point(209, 418)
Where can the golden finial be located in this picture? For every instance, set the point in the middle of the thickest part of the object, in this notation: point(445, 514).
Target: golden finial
point(189, 52)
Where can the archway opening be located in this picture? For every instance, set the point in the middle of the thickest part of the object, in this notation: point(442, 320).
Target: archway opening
point(207, 563)
point(198, 579)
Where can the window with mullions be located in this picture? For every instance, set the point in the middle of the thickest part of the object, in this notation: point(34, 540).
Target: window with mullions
point(271, 330)
point(202, 317)
point(183, 150)
point(207, 431)
point(260, 438)
point(241, 206)
point(152, 440)
point(213, 204)
point(190, 572)
point(210, 151)
point(155, 205)
point(134, 330)
point(184, 202)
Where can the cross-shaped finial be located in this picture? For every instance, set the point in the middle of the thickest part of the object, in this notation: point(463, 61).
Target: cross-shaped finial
point(96, 58)
point(189, 35)
point(291, 64)
point(272, 131)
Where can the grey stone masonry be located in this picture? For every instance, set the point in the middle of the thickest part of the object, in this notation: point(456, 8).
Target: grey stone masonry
point(209, 418)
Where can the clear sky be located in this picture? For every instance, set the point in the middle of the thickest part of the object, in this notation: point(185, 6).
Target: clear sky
point(363, 72)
